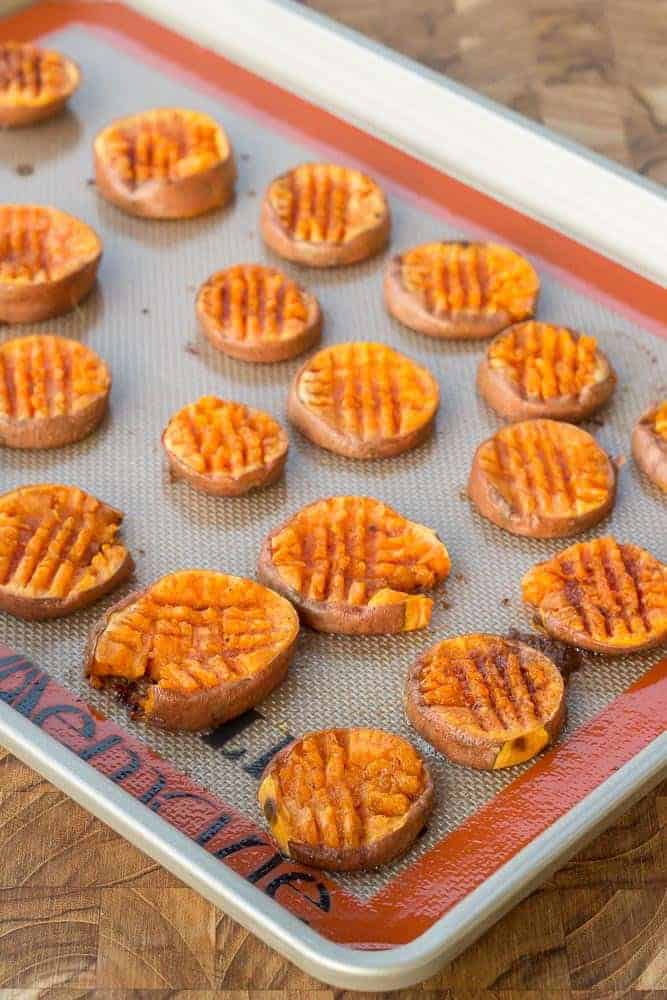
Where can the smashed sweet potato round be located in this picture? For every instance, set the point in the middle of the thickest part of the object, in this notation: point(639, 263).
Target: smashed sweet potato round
point(460, 290)
point(194, 649)
point(543, 479)
point(58, 551)
point(35, 83)
point(325, 215)
point(603, 595)
point(649, 444)
point(48, 262)
point(346, 799)
point(224, 448)
point(542, 370)
point(363, 400)
point(484, 701)
point(354, 566)
point(256, 313)
point(53, 391)
point(167, 163)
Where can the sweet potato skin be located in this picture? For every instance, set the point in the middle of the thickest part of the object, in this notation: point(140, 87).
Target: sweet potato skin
point(366, 244)
point(649, 450)
point(467, 325)
point(369, 856)
point(325, 436)
point(493, 506)
point(31, 303)
point(460, 746)
point(169, 199)
point(205, 709)
point(501, 395)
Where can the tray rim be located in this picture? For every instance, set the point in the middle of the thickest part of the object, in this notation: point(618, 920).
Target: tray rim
point(340, 965)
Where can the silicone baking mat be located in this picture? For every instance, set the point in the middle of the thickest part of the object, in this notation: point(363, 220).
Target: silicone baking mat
point(141, 320)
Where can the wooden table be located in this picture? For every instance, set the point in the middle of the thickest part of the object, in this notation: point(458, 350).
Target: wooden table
point(83, 910)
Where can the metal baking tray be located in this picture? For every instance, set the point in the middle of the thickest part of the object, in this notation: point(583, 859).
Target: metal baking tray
point(189, 800)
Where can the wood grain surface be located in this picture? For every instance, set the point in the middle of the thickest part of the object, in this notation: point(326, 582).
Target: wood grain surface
point(83, 913)
point(594, 70)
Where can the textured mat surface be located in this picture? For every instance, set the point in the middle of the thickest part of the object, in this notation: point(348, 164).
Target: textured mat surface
point(141, 320)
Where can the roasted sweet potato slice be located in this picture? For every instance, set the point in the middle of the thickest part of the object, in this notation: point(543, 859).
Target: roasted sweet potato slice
point(346, 799)
point(53, 391)
point(48, 262)
point(256, 313)
point(354, 566)
point(363, 400)
point(35, 83)
point(194, 649)
point(225, 448)
point(325, 215)
point(603, 595)
point(464, 290)
point(58, 551)
point(649, 444)
point(167, 163)
point(542, 478)
point(485, 701)
point(541, 370)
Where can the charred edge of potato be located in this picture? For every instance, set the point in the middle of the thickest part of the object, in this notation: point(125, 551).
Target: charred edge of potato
point(501, 394)
point(170, 710)
point(331, 439)
point(168, 199)
point(406, 307)
point(468, 750)
point(366, 244)
point(380, 852)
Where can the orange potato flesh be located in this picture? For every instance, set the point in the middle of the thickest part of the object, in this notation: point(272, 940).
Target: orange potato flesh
point(450, 278)
point(40, 244)
point(45, 376)
point(194, 630)
point(547, 468)
point(341, 789)
point(56, 542)
point(493, 690)
point(165, 144)
point(368, 391)
point(214, 437)
point(31, 77)
point(253, 304)
point(601, 594)
point(660, 421)
point(325, 203)
point(356, 551)
point(545, 362)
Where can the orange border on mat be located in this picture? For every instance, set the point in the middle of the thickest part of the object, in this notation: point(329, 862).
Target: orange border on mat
point(460, 863)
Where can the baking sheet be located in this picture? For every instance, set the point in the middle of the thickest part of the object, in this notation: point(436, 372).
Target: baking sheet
point(141, 320)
